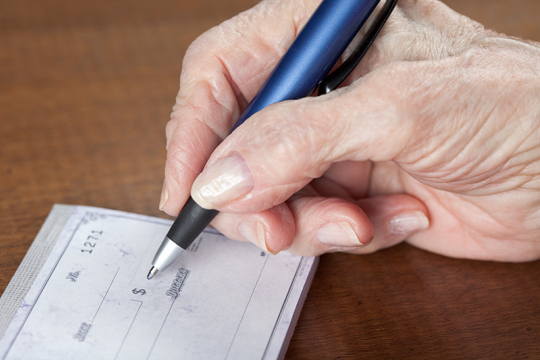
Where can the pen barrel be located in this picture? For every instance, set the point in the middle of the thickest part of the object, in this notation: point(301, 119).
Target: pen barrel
point(190, 223)
point(313, 53)
point(309, 59)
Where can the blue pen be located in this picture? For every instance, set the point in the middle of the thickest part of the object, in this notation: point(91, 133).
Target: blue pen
point(307, 62)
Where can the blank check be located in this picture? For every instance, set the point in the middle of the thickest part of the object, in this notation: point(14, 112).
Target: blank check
point(90, 299)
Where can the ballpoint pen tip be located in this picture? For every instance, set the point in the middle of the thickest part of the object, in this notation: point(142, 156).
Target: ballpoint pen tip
point(153, 271)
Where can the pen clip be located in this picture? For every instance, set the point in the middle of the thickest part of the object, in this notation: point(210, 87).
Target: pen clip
point(334, 79)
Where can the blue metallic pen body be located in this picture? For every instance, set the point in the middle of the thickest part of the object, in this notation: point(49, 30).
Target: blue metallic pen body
point(313, 53)
point(309, 59)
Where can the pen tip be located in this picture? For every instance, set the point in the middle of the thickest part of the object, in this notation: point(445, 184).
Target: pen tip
point(153, 271)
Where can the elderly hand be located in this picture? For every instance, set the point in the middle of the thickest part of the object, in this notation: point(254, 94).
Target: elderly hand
point(434, 139)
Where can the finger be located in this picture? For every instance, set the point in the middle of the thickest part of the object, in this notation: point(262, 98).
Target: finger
point(221, 71)
point(328, 225)
point(394, 218)
point(272, 230)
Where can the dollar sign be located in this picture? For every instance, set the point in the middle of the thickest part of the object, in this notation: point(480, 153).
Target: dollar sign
point(141, 291)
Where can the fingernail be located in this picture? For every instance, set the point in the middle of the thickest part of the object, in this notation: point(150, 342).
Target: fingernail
point(339, 234)
point(222, 182)
point(164, 197)
point(408, 223)
point(254, 232)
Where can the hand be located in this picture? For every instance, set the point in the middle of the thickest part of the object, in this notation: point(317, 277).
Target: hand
point(434, 139)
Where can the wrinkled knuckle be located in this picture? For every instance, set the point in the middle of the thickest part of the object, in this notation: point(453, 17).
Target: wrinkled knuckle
point(170, 128)
point(191, 53)
point(201, 47)
point(179, 165)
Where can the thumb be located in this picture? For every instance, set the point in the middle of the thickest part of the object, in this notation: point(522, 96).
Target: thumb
point(283, 147)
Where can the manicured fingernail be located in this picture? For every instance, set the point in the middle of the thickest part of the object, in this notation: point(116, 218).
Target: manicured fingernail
point(222, 182)
point(408, 223)
point(339, 234)
point(254, 232)
point(164, 197)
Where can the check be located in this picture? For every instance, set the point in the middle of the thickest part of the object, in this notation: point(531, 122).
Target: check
point(221, 299)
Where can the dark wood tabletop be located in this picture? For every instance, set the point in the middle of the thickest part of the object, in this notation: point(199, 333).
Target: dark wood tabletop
point(86, 88)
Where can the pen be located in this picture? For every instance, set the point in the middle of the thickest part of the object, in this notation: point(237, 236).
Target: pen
point(310, 58)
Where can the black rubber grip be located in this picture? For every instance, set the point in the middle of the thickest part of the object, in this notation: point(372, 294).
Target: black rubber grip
point(190, 223)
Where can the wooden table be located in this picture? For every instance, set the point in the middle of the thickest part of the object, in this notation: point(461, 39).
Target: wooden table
point(86, 89)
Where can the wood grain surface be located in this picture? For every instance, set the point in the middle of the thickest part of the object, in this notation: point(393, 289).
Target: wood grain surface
point(86, 88)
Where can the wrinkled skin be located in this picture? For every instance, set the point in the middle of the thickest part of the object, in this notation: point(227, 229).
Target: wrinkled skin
point(434, 139)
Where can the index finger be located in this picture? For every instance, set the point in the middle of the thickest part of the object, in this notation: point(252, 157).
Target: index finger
point(221, 72)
